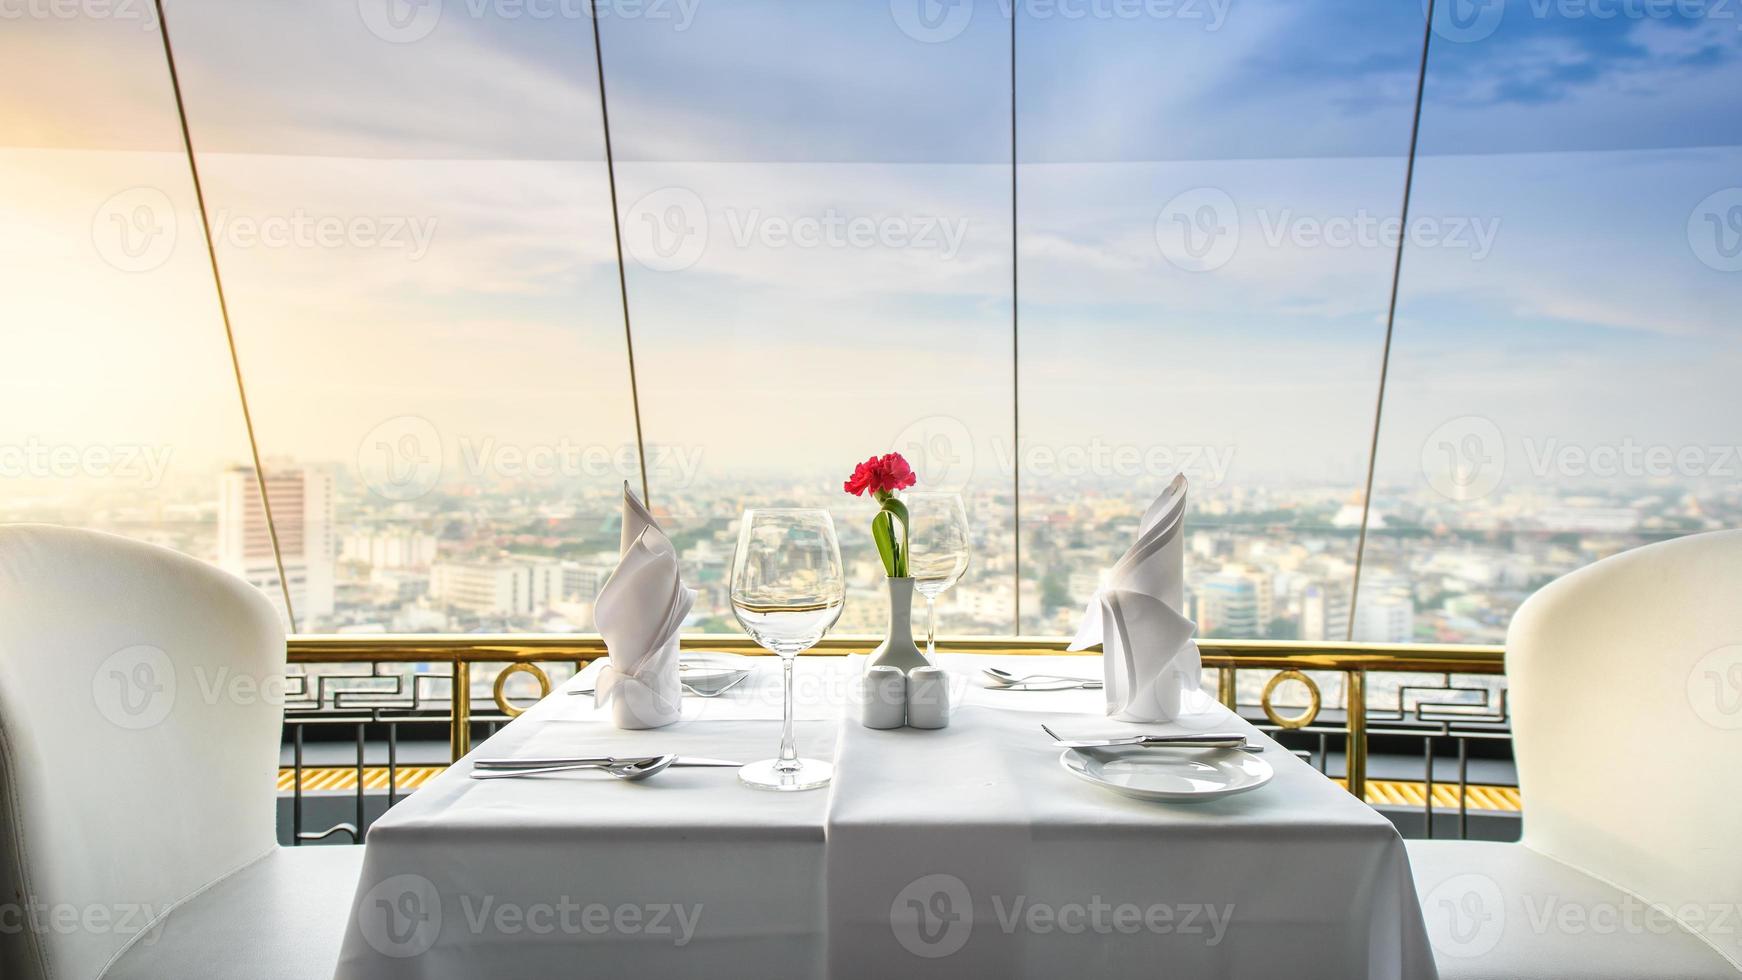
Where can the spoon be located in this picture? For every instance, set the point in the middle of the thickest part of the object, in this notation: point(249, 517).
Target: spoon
point(633, 771)
point(1004, 678)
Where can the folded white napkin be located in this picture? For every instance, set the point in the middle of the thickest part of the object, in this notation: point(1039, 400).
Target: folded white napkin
point(639, 612)
point(1149, 659)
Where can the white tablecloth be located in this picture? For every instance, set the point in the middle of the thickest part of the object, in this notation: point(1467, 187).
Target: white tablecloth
point(964, 852)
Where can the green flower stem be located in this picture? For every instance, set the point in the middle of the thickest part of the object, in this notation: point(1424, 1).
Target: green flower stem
point(883, 535)
point(894, 554)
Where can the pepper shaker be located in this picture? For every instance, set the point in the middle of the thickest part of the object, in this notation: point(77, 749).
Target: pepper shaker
point(881, 693)
point(928, 698)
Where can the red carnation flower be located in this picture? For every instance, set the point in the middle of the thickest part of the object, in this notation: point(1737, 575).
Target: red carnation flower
point(880, 475)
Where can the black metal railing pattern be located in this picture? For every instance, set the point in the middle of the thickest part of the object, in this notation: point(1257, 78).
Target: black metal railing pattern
point(364, 718)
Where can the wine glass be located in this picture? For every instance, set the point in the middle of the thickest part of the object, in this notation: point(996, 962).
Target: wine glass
point(788, 589)
point(937, 550)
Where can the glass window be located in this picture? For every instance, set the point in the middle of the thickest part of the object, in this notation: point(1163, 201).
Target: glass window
point(816, 224)
point(118, 406)
point(1562, 376)
point(412, 217)
point(1208, 197)
point(413, 222)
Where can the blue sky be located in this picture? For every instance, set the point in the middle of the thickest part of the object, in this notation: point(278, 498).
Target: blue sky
point(1586, 145)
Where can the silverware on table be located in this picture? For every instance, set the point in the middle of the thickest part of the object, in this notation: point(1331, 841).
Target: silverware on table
point(710, 692)
point(629, 770)
point(714, 692)
point(1040, 682)
point(681, 761)
point(1189, 740)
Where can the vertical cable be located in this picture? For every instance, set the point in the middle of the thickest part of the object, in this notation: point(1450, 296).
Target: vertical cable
point(617, 234)
point(1015, 339)
point(187, 143)
point(1390, 320)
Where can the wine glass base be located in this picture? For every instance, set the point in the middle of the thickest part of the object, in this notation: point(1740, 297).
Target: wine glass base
point(810, 774)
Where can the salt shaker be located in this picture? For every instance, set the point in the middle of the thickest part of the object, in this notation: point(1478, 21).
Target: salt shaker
point(928, 697)
point(882, 696)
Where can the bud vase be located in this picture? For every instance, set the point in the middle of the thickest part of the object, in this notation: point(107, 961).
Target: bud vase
point(898, 649)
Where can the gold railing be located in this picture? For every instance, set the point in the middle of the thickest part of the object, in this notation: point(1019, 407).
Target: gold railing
point(523, 652)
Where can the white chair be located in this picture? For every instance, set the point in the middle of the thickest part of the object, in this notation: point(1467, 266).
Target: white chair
point(138, 764)
point(1626, 690)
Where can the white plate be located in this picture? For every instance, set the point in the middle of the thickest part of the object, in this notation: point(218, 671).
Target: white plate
point(706, 669)
point(1172, 775)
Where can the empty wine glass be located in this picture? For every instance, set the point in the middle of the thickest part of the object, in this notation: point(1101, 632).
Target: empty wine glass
point(788, 589)
point(938, 550)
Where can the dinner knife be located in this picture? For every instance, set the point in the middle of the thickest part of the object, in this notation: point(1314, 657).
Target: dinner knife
point(1150, 743)
point(1220, 740)
point(506, 764)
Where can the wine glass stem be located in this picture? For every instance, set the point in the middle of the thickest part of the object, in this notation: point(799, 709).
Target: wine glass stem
point(931, 625)
point(788, 760)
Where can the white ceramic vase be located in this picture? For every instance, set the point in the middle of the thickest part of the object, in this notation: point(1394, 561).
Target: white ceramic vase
point(898, 649)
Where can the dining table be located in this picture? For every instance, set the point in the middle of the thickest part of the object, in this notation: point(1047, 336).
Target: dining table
point(965, 851)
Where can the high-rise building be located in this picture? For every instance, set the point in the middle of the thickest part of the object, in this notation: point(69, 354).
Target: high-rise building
point(1228, 606)
point(301, 498)
point(1385, 619)
point(1324, 613)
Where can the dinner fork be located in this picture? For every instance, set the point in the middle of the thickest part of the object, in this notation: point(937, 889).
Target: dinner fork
point(1041, 682)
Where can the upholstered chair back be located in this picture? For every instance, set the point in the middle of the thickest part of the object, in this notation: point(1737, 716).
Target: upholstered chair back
point(141, 701)
point(1626, 687)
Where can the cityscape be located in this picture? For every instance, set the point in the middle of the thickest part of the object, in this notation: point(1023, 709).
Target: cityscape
point(1262, 562)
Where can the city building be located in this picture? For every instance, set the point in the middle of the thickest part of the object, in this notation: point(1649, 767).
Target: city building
point(394, 548)
point(301, 498)
point(1324, 613)
point(582, 580)
point(1385, 619)
point(981, 605)
point(1228, 606)
point(522, 586)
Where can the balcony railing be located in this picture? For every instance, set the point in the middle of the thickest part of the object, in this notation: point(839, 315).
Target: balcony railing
point(371, 690)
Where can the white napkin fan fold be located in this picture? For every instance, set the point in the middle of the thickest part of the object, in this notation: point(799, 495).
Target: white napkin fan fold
point(639, 613)
point(1150, 662)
